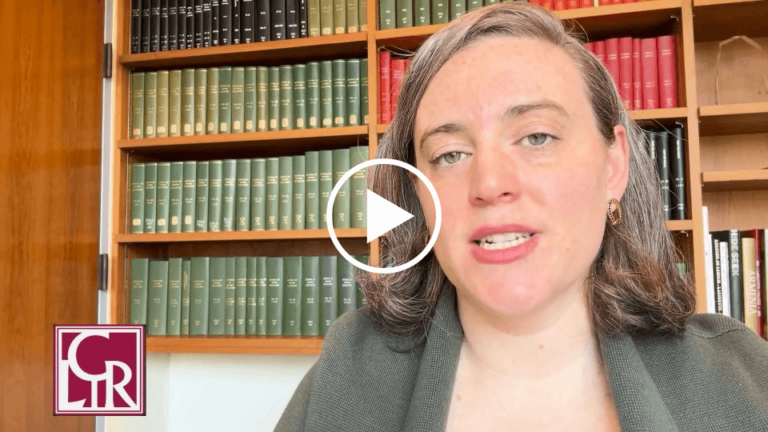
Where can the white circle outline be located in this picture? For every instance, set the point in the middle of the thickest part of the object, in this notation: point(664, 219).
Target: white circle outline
point(335, 192)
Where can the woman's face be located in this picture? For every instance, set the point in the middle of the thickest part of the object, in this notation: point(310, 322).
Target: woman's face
point(506, 135)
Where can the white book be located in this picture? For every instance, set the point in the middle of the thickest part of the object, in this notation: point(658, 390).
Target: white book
point(708, 263)
point(725, 277)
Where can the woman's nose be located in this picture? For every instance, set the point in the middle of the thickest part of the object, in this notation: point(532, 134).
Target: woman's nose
point(494, 178)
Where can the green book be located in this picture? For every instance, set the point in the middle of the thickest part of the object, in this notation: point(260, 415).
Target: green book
point(150, 196)
point(229, 296)
point(404, 14)
point(386, 14)
point(139, 281)
point(238, 99)
point(261, 296)
point(286, 97)
point(357, 188)
point(490, 2)
point(274, 98)
point(188, 102)
point(186, 268)
point(228, 195)
point(310, 294)
point(313, 95)
point(174, 297)
point(175, 196)
point(258, 194)
point(326, 17)
point(201, 194)
point(249, 100)
point(285, 190)
point(250, 296)
point(189, 197)
point(339, 93)
point(311, 190)
point(137, 198)
point(299, 188)
point(474, 4)
point(243, 195)
point(150, 104)
point(199, 296)
point(217, 294)
point(212, 99)
point(325, 184)
point(241, 286)
point(458, 8)
point(162, 104)
point(421, 12)
point(292, 296)
point(157, 307)
point(163, 196)
point(347, 286)
point(137, 105)
point(352, 16)
point(364, 90)
point(439, 11)
point(313, 17)
point(329, 292)
point(341, 205)
point(274, 296)
point(361, 301)
point(326, 93)
point(362, 15)
point(262, 98)
point(339, 16)
point(225, 99)
point(299, 96)
point(215, 176)
point(201, 104)
point(174, 103)
point(353, 92)
point(272, 191)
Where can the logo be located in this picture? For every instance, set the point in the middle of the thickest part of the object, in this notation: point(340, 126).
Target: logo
point(98, 370)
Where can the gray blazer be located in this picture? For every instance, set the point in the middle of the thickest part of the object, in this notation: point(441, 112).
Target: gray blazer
point(714, 379)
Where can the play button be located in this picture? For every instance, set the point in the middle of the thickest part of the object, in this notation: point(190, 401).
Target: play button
point(383, 216)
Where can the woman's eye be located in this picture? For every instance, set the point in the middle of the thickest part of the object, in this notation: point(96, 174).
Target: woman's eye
point(449, 158)
point(538, 139)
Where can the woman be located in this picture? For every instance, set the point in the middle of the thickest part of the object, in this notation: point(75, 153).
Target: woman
point(551, 300)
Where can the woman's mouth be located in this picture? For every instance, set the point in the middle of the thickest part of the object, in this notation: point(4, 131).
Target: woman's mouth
point(503, 240)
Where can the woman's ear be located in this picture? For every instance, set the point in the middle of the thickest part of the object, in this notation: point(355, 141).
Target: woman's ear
point(618, 164)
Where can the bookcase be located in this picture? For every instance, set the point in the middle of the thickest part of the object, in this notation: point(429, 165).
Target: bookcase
point(724, 148)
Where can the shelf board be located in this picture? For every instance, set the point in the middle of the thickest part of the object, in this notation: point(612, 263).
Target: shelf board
point(727, 181)
point(286, 345)
point(733, 119)
point(265, 53)
point(716, 20)
point(307, 234)
point(680, 225)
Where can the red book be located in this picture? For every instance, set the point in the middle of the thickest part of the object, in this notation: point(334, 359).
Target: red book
point(616, 1)
point(612, 59)
point(650, 73)
point(398, 72)
point(573, 4)
point(547, 4)
point(637, 75)
point(590, 46)
point(587, 3)
point(536, 2)
point(384, 87)
point(625, 72)
point(667, 72)
point(560, 5)
point(629, 1)
point(407, 63)
point(600, 51)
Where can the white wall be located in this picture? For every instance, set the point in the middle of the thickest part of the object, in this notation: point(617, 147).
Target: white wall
point(207, 392)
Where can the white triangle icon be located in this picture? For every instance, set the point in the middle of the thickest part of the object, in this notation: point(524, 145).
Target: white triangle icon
point(382, 215)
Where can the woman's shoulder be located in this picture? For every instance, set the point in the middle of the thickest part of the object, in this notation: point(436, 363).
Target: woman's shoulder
point(357, 332)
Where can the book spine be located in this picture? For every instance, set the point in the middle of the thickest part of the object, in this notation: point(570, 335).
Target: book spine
point(225, 99)
point(243, 195)
point(181, 24)
point(339, 93)
point(292, 296)
point(150, 196)
point(173, 27)
point(347, 287)
point(285, 203)
point(199, 23)
point(217, 293)
point(662, 155)
point(326, 17)
point(201, 91)
point(341, 205)
point(225, 22)
point(339, 16)
point(667, 72)
point(637, 75)
point(262, 99)
point(263, 25)
point(625, 72)
point(362, 12)
point(212, 102)
point(458, 8)
point(250, 296)
point(718, 275)
point(258, 194)
point(201, 193)
point(261, 296)
point(650, 73)
point(299, 96)
point(303, 19)
point(137, 104)
point(750, 293)
point(574, 4)
point(185, 292)
point(162, 208)
point(229, 296)
point(241, 287)
point(191, 29)
point(326, 93)
point(215, 194)
point(235, 22)
point(422, 13)
point(163, 25)
point(560, 5)
point(357, 189)
point(313, 95)
point(364, 90)
point(189, 197)
point(275, 287)
point(135, 26)
point(137, 198)
point(139, 281)
point(311, 190)
point(154, 26)
point(291, 19)
point(404, 14)
point(398, 74)
point(361, 300)
point(175, 197)
point(708, 264)
point(440, 11)
point(313, 17)
point(207, 23)
point(725, 269)
point(249, 100)
point(612, 60)
point(238, 97)
point(353, 92)
point(310, 295)
point(187, 102)
point(272, 191)
point(677, 188)
point(199, 294)
point(174, 103)
point(299, 188)
point(385, 89)
point(286, 97)
point(277, 19)
point(229, 176)
point(352, 16)
point(173, 324)
point(328, 292)
point(150, 104)
point(146, 12)
point(273, 98)
point(215, 22)
point(474, 4)
point(737, 290)
point(325, 184)
point(157, 307)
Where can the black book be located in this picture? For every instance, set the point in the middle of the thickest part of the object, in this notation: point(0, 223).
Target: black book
point(163, 25)
point(173, 22)
point(154, 27)
point(225, 22)
point(277, 19)
point(677, 188)
point(263, 26)
point(146, 12)
point(235, 22)
point(181, 21)
point(215, 22)
point(291, 19)
point(135, 26)
point(206, 23)
point(716, 264)
point(191, 23)
point(246, 21)
point(198, 23)
point(662, 161)
point(737, 291)
point(303, 19)
point(650, 147)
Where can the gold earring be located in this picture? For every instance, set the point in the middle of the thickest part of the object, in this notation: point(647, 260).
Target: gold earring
point(614, 219)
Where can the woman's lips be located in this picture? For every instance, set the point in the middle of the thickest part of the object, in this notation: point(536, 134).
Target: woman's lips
point(503, 256)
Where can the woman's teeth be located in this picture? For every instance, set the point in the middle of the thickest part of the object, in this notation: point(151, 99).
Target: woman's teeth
point(503, 241)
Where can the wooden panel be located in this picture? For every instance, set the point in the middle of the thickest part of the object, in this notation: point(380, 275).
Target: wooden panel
point(304, 234)
point(50, 124)
point(746, 118)
point(298, 345)
point(734, 180)
point(734, 65)
point(730, 153)
point(741, 210)
point(721, 19)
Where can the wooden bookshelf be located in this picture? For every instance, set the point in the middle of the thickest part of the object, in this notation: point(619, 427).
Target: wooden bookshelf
point(717, 20)
point(286, 345)
point(306, 234)
point(742, 180)
point(735, 119)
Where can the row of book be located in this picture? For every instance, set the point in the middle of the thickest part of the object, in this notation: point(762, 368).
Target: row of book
point(578, 4)
point(220, 100)
point(279, 193)
point(391, 75)
point(737, 274)
point(643, 70)
point(274, 296)
point(168, 25)
point(667, 149)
